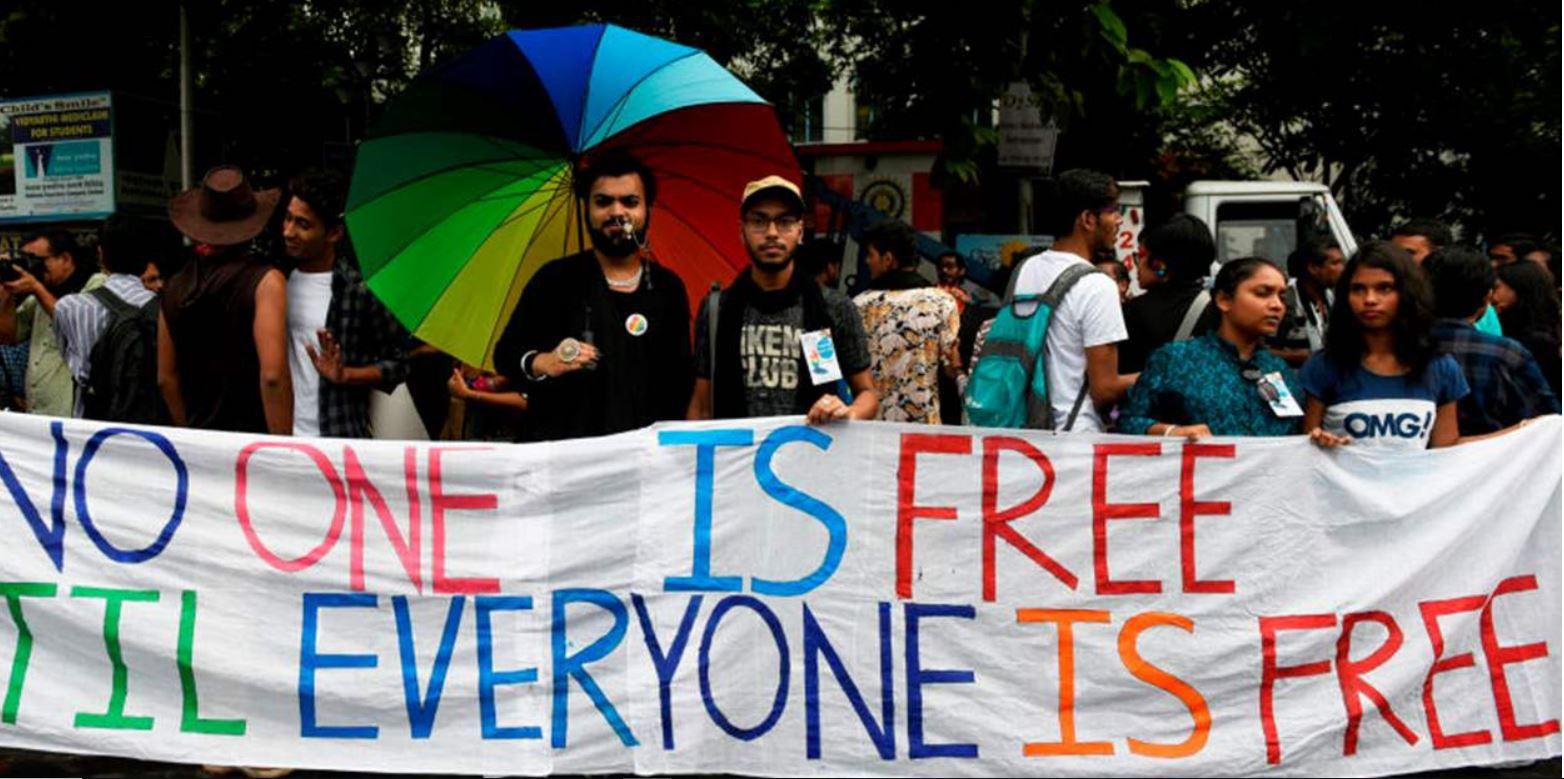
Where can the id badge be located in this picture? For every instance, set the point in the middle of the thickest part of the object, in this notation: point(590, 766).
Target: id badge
point(1273, 388)
point(820, 354)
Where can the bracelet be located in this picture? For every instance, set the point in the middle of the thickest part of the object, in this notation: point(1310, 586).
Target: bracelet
point(1167, 431)
point(526, 366)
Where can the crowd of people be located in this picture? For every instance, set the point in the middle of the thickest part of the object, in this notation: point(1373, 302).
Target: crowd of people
point(1414, 341)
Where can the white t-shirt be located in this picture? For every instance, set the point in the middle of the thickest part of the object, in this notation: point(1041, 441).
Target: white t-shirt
point(1088, 316)
point(309, 297)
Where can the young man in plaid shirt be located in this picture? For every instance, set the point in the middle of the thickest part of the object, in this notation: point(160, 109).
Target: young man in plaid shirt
point(342, 340)
point(1507, 386)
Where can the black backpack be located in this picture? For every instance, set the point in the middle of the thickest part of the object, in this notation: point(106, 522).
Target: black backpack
point(122, 382)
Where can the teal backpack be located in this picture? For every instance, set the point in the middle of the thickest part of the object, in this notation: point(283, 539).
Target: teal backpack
point(1009, 385)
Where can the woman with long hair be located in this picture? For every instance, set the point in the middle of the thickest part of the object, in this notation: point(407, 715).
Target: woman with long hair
point(1224, 382)
point(1528, 309)
point(1379, 379)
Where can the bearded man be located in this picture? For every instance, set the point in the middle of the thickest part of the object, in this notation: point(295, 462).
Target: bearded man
point(600, 340)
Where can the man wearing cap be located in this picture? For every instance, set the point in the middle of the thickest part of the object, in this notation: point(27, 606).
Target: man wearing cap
point(600, 340)
point(780, 344)
point(223, 329)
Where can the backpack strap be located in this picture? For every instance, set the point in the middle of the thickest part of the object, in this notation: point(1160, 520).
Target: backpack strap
point(1039, 411)
point(112, 302)
point(713, 300)
point(1197, 308)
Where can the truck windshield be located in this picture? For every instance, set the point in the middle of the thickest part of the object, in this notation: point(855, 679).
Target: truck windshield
point(1268, 230)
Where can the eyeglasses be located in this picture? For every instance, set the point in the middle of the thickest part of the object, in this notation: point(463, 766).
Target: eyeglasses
point(759, 223)
point(33, 259)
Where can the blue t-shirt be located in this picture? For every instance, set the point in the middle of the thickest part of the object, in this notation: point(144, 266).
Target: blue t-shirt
point(1394, 411)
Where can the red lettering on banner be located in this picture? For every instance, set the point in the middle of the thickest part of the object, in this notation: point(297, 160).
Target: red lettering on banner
point(1432, 611)
point(1189, 508)
point(1102, 511)
point(1067, 743)
point(242, 506)
point(996, 522)
point(1349, 675)
point(409, 548)
point(1129, 654)
point(1270, 672)
point(1500, 656)
point(439, 503)
point(912, 445)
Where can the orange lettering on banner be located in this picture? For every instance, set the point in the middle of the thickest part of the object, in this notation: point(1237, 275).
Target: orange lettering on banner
point(1067, 744)
point(1129, 654)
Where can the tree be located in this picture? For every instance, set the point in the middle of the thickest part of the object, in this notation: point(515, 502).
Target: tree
point(1447, 111)
point(275, 79)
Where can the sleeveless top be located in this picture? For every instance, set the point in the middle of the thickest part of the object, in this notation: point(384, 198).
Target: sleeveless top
point(209, 307)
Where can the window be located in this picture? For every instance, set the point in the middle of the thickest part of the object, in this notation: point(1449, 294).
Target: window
point(809, 121)
point(1268, 230)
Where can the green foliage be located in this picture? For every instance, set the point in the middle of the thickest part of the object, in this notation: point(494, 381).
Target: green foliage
point(1444, 110)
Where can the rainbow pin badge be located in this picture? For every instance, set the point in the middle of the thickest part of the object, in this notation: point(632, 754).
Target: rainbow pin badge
point(635, 325)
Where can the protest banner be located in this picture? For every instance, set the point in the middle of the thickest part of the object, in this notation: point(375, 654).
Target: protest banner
point(764, 597)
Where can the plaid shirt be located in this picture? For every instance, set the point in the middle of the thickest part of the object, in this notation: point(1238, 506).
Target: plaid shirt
point(369, 335)
point(1507, 386)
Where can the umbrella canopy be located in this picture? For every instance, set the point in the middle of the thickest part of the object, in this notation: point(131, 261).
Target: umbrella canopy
point(465, 187)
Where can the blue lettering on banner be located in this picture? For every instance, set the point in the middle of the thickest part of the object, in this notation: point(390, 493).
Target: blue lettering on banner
point(816, 645)
point(310, 661)
point(666, 664)
point(574, 665)
point(51, 537)
point(421, 708)
point(1390, 425)
point(790, 496)
point(779, 703)
point(705, 443)
point(917, 677)
point(181, 492)
point(488, 678)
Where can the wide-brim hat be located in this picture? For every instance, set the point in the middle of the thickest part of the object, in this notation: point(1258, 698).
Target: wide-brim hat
point(772, 187)
point(224, 210)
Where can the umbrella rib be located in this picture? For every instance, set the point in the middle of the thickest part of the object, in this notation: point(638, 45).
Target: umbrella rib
point(618, 107)
point(697, 182)
point(696, 230)
point(425, 231)
point(483, 166)
point(586, 97)
point(514, 215)
point(733, 149)
point(448, 284)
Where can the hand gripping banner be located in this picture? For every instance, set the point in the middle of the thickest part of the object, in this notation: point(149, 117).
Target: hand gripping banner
point(763, 597)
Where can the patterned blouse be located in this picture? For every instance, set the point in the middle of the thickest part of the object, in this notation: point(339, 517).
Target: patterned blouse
point(1200, 381)
point(909, 330)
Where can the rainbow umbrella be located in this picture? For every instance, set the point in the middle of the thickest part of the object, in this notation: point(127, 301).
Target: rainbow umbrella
point(464, 189)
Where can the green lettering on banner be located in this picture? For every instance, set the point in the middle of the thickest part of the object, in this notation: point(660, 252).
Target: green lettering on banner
point(14, 592)
point(113, 602)
point(191, 722)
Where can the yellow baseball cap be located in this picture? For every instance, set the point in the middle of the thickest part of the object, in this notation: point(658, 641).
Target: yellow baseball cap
point(773, 186)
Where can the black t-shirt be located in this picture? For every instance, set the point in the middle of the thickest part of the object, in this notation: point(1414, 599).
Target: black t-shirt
point(1152, 320)
point(643, 375)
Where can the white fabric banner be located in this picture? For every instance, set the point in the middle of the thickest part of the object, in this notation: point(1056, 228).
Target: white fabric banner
point(763, 597)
